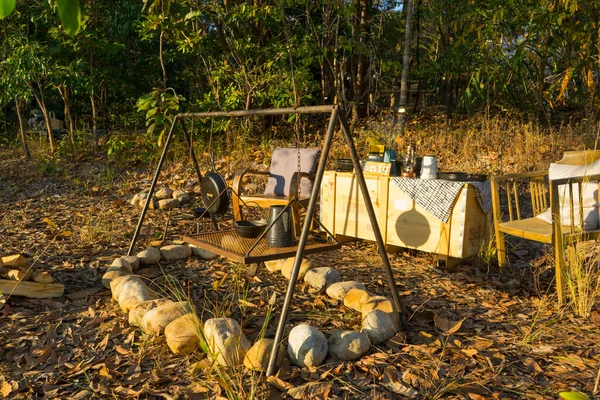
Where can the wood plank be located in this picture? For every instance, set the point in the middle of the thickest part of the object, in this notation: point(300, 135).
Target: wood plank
point(31, 289)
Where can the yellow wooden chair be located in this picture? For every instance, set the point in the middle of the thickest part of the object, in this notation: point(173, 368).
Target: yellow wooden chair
point(532, 228)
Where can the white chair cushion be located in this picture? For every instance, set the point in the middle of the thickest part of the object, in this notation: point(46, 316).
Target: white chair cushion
point(590, 195)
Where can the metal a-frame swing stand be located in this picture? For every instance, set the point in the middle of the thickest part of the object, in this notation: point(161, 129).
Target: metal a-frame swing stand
point(336, 115)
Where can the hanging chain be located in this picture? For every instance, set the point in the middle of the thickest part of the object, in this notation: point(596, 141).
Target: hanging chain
point(298, 155)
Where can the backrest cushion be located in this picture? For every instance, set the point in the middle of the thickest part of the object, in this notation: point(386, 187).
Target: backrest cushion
point(284, 162)
point(590, 195)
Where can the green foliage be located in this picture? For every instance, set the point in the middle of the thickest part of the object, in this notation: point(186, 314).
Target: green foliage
point(6, 7)
point(160, 108)
point(70, 15)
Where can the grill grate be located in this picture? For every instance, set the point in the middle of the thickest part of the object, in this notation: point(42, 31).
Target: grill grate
point(229, 244)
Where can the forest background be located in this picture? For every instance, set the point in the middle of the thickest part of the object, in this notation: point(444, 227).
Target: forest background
point(133, 65)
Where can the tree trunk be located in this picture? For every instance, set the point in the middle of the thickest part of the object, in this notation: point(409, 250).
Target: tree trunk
point(66, 97)
point(404, 84)
point(22, 130)
point(93, 103)
point(94, 122)
point(39, 97)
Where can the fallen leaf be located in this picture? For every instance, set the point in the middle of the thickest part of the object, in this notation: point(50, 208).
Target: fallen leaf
point(394, 385)
point(447, 326)
point(104, 372)
point(6, 388)
point(311, 390)
point(469, 352)
point(280, 383)
point(533, 366)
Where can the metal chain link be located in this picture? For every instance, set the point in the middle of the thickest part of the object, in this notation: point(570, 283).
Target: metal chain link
point(298, 188)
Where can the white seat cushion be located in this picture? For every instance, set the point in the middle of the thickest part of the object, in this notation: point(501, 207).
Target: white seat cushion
point(590, 195)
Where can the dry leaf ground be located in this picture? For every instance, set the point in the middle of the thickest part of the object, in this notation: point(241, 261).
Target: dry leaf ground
point(471, 333)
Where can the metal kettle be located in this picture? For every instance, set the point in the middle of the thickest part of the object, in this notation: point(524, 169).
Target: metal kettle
point(281, 234)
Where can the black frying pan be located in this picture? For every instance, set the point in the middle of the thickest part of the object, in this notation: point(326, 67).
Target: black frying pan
point(214, 194)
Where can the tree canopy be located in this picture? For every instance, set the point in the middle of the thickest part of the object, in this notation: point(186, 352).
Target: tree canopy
point(112, 64)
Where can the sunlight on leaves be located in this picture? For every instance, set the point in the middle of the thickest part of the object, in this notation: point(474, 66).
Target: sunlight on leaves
point(69, 12)
point(6, 7)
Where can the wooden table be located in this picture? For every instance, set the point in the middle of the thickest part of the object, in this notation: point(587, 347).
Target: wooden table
point(403, 223)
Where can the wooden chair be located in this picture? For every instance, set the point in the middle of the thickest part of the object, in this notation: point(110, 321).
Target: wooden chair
point(531, 228)
point(285, 183)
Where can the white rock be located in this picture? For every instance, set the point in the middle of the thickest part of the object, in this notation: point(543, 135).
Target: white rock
point(226, 340)
point(122, 264)
point(133, 261)
point(348, 345)
point(134, 292)
point(168, 204)
point(164, 193)
point(108, 277)
point(181, 195)
point(116, 284)
point(275, 265)
point(378, 326)
point(339, 290)
point(137, 313)
point(307, 346)
point(175, 252)
point(183, 334)
point(149, 256)
point(204, 254)
point(288, 265)
point(156, 320)
point(135, 200)
point(320, 278)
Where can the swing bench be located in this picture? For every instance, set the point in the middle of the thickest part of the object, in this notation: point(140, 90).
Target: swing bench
point(255, 250)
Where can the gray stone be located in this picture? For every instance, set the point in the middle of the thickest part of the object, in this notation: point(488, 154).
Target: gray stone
point(320, 278)
point(378, 326)
point(181, 195)
point(133, 261)
point(204, 254)
point(137, 313)
point(339, 290)
point(226, 340)
point(121, 263)
point(134, 292)
point(108, 277)
point(307, 346)
point(348, 345)
point(116, 284)
point(156, 320)
point(168, 204)
point(175, 252)
point(149, 256)
point(164, 193)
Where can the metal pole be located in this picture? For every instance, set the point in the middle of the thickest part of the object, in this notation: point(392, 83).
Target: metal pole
point(302, 242)
point(152, 186)
point(188, 140)
point(379, 239)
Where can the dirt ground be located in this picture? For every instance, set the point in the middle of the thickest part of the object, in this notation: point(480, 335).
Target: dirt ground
point(471, 333)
